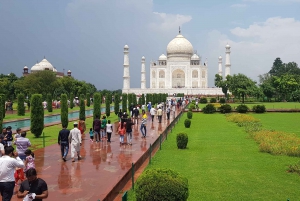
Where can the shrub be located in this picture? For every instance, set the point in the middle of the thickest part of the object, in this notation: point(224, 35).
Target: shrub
point(64, 110)
point(124, 102)
point(187, 123)
point(107, 104)
point(259, 109)
point(117, 103)
point(203, 100)
point(36, 115)
point(182, 140)
point(209, 109)
point(212, 100)
point(1, 112)
point(192, 107)
point(2, 105)
point(189, 115)
point(242, 108)
point(88, 99)
point(222, 100)
point(161, 184)
point(82, 107)
point(294, 168)
point(49, 103)
point(21, 107)
point(71, 100)
point(225, 108)
point(97, 105)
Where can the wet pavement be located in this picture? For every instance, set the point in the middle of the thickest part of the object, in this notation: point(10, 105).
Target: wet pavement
point(102, 166)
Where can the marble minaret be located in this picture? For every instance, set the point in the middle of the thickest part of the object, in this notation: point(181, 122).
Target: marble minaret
point(143, 74)
point(220, 66)
point(227, 63)
point(126, 75)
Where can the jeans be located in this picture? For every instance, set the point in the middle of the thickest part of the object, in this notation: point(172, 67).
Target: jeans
point(143, 127)
point(122, 139)
point(7, 190)
point(97, 136)
point(103, 134)
point(22, 157)
point(168, 115)
point(159, 118)
point(129, 137)
point(64, 146)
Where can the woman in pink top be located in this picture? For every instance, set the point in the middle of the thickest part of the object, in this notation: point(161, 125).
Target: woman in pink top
point(29, 162)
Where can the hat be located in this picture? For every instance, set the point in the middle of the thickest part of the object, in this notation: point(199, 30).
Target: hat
point(75, 123)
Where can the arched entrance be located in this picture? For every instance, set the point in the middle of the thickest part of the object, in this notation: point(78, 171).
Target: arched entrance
point(178, 79)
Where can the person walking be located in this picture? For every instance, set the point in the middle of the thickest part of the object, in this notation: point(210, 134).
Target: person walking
point(33, 188)
point(97, 127)
point(152, 112)
point(22, 144)
point(29, 162)
point(103, 127)
point(129, 125)
point(9, 136)
point(136, 114)
point(173, 110)
point(63, 141)
point(91, 135)
point(168, 112)
point(8, 163)
point(75, 141)
point(143, 124)
point(159, 114)
point(109, 130)
point(82, 126)
point(122, 131)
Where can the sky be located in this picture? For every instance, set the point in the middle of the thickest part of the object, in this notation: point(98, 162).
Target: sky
point(88, 36)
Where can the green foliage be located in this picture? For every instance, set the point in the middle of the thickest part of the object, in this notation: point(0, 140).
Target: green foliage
point(225, 108)
point(222, 83)
point(209, 109)
point(242, 108)
point(117, 103)
point(161, 184)
point(88, 100)
point(130, 100)
point(36, 115)
point(2, 105)
point(71, 100)
point(1, 112)
point(134, 99)
point(124, 102)
point(49, 103)
point(21, 107)
point(192, 106)
point(180, 94)
point(64, 110)
point(213, 100)
point(259, 109)
point(187, 123)
point(143, 99)
point(182, 140)
point(222, 100)
point(203, 100)
point(294, 168)
point(107, 104)
point(97, 105)
point(82, 107)
point(189, 115)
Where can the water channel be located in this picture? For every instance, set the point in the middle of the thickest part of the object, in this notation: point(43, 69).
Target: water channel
point(50, 119)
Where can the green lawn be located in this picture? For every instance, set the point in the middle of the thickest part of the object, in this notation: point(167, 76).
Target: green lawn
point(269, 105)
point(223, 163)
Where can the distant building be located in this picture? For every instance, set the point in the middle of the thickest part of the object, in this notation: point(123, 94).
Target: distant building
point(44, 65)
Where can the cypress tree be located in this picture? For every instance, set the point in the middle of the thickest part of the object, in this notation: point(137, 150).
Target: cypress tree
point(21, 107)
point(88, 99)
point(134, 100)
point(1, 113)
point(124, 102)
point(97, 105)
point(3, 105)
point(143, 99)
point(49, 103)
point(107, 104)
point(129, 97)
point(71, 100)
point(36, 115)
point(140, 101)
point(64, 110)
point(117, 104)
point(82, 107)
point(148, 98)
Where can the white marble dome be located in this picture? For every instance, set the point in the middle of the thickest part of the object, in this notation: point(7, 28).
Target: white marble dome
point(25, 67)
point(162, 57)
point(36, 67)
point(195, 57)
point(180, 46)
point(45, 64)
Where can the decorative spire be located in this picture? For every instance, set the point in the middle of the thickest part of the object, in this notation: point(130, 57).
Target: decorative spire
point(179, 30)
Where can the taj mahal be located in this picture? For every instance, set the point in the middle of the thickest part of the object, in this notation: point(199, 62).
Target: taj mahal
point(180, 71)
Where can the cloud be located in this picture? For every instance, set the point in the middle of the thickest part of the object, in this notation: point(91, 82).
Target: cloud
point(238, 5)
point(253, 49)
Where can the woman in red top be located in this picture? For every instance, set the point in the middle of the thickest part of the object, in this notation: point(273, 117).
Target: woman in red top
point(122, 131)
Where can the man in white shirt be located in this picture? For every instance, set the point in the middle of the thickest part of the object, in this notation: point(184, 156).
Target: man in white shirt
point(159, 114)
point(152, 112)
point(75, 141)
point(7, 170)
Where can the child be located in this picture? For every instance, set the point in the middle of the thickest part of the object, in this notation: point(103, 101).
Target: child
point(29, 161)
point(91, 135)
point(19, 175)
point(109, 130)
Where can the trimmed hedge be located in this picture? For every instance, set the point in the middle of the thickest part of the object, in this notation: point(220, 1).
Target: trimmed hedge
point(225, 108)
point(97, 105)
point(203, 100)
point(88, 99)
point(213, 100)
point(49, 103)
point(161, 184)
point(242, 108)
point(182, 140)
point(1, 113)
point(209, 109)
point(64, 110)
point(222, 100)
point(189, 115)
point(82, 107)
point(259, 109)
point(71, 100)
point(187, 123)
point(21, 107)
point(36, 115)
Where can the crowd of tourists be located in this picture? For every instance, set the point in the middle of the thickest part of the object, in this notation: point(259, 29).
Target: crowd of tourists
point(16, 165)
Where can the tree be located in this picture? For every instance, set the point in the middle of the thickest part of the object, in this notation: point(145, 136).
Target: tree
point(71, 100)
point(134, 101)
point(82, 107)
point(219, 82)
point(21, 107)
point(279, 68)
point(97, 105)
point(117, 104)
point(130, 99)
point(1, 112)
point(286, 84)
point(64, 110)
point(2, 105)
point(88, 99)
point(36, 115)
point(266, 85)
point(241, 85)
point(49, 103)
point(124, 102)
point(107, 104)
point(143, 99)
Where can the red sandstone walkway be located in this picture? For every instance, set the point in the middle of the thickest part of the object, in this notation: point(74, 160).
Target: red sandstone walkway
point(102, 166)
